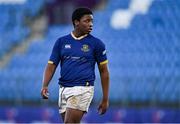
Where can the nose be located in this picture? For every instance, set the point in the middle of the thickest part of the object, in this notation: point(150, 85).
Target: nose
point(90, 23)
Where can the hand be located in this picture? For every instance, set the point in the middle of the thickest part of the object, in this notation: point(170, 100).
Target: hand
point(44, 93)
point(103, 107)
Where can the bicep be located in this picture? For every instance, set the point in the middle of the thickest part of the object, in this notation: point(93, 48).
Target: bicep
point(103, 68)
point(51, 67)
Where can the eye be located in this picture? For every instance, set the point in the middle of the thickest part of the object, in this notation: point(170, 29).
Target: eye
point(88, 20)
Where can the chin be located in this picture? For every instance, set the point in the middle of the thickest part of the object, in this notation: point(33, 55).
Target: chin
point(88, 32)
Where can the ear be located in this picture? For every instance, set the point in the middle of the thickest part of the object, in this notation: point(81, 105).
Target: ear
point(76, 23)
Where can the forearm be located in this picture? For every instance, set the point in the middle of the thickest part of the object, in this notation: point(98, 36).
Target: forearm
point(48, 74)
point(105, 84)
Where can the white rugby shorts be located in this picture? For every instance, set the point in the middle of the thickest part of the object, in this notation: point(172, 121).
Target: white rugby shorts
point(77, 97)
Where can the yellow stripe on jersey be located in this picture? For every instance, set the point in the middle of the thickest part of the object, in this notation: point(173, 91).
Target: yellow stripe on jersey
point(50, 62)
point(104, 62)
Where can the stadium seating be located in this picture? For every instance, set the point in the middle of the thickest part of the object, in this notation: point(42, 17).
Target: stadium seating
point(143, 60)
point(12, 27)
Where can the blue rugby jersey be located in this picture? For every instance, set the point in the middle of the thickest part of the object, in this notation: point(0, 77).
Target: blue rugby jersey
point(77, 58)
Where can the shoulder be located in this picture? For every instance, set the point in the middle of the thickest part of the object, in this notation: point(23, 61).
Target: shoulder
point(64, 37)
point(96, 40)
point(60, 40)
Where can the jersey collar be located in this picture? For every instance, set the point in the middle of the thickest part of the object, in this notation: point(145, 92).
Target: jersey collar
point(78, 38)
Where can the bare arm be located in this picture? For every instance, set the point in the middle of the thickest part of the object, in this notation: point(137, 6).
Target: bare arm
point(104, 74)
point(48, 74)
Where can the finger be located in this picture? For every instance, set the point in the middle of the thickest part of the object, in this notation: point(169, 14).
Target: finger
point(43, 91)
point(102, 110)
point(45, 94)
point(100, 106)
point(45, 97)
point(99, 109)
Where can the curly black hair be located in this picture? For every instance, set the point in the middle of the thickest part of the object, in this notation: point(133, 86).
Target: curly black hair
point(80, 12)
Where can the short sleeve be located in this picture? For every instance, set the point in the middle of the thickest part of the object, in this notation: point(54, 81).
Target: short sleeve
point(56, 53)
point(100, 53)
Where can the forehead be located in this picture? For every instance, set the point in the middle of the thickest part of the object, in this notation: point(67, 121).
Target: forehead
point(87, 16)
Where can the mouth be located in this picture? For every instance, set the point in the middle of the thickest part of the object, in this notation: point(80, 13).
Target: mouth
point(89, 29)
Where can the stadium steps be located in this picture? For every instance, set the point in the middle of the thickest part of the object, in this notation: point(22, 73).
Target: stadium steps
point(37, 28)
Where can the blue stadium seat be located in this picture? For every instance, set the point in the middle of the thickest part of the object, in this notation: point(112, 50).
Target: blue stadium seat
point(143, 59)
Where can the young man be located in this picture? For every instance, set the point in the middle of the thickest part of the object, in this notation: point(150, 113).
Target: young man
point(77, 54)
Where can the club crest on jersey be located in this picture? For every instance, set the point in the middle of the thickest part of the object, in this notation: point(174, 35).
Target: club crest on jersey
point(85, 48)
point(67, 46)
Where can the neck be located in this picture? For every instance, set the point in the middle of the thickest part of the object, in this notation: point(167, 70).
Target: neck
point(78, 37)
point(77, 33)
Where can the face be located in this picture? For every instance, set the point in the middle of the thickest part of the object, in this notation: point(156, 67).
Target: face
point(85, 24)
